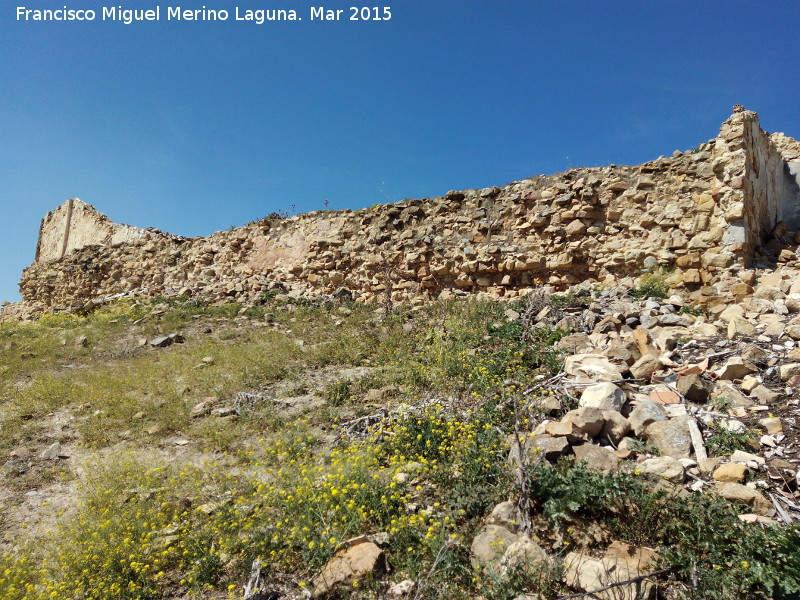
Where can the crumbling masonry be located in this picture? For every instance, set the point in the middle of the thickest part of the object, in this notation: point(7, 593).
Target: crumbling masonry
point(703, 214)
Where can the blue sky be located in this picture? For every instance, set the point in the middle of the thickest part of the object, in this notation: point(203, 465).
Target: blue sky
point(192, 127)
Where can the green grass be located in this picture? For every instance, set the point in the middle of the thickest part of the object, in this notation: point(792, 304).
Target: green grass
point(151, 522)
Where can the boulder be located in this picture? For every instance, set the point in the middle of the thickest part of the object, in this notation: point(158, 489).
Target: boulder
point(726, 389)
point(615, 427)
point(587, 419)
point(605, 396)
point(505, 514)
point(645, 367)
point(736, 492)
point(537, 448)
point(524, 556)
point(764, 395)
point(694, 388)
point(597, 458)
point(348, 565)
point(620, 562)
point(730, 472)
point(789, 370)
point(739, 327)
point(735, 368)
point(490, 545)
point(663, 467)
point(671, 437)
point(587, 368)
point(645, 413)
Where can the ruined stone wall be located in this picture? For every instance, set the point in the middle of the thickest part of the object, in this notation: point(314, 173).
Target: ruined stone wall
point(758, 167)
point(75, 225)
point(701, 214)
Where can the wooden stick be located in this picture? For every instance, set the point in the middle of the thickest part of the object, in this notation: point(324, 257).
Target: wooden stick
point(254, 581)
point(594, 593)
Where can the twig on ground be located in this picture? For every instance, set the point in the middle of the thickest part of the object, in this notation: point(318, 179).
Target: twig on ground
point(593, 593)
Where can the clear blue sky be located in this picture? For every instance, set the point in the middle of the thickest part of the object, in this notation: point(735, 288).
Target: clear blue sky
point(194, 127)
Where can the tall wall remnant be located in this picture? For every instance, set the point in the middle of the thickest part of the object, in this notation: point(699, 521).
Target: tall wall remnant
point(704, 214)
point(75, 225)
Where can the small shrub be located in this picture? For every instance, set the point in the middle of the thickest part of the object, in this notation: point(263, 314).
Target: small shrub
point(711, 552)
point(642, 447)
point(721, 403)
point(338, 393)
point(651, 285)
point(268, 296)
point(723, 442)
point(695, 311)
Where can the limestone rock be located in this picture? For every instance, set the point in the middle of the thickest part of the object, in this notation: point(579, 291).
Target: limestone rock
point(523, 556)
point(348, 565)
point(167, 340)
point(671, 437)
point(645, 367)
point(645, 413)
point(736, 368)
point(730, 472)
point(663, 467)
point(52, 452)
point(764, 395)
point(789, 370)
point(615, 427)
point(737, 492)
point(587, 419)
point(587, 368)
point(401, 589)
point(620, 562)
point(558, 429)
point(693, 387)
point(537, 448)
point(605, 396)
point(489, 546)
point(773, 425)
point(726, 389)
point(739, 327)
point(505, 514)
point(596, 457)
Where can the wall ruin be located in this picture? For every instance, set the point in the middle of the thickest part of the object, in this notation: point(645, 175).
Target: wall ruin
point(703, 214)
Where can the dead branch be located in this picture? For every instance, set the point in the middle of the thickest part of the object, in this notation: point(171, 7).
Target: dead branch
point(593, 593)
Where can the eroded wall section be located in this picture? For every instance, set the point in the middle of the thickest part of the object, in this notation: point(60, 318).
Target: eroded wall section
point(702, 213)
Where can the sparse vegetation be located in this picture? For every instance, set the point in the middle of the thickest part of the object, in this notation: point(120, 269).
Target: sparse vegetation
point(165, 504)
point(695, 311)
point(652, 284)
point(723, 442)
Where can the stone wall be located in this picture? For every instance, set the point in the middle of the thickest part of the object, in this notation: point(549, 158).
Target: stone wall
point(75, 225)
point(767, 179)
point(702, 214)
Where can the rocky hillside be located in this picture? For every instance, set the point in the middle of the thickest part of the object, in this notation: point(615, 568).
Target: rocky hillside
point(604, 441)
point(583, 385)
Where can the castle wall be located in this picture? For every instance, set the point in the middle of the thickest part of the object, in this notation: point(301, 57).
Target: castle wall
point(702, 214)
point(75, 225)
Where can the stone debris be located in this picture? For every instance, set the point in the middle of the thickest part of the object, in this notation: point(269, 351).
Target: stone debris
point(619, 563)
point(53, 452)
point(167, 340)
point(202, 408)
point(348, 565)
point(605, 396)
point(497, 551)
point(735, 472)
point(401, 589)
